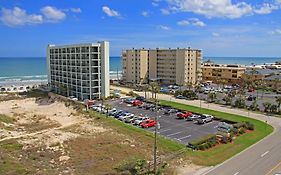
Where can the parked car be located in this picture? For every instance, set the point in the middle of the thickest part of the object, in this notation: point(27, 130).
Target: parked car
point(123, 117)
point(204, 118)
point(140, 98)
point(140, 120)
point(193, 117)
point(183, 115)
point(129, 100)
point(251, 90)
point(170, 111)
point(137, 103)
point(164, 90)
point(180, 97)
point(251, 98)
point(224, 127)
point(148, 123)
point(129, 119)
point(120, 114)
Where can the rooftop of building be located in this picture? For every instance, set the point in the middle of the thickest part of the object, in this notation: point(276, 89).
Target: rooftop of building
point(75, 45)
point(164, 49)
point(263, 71)
point(223, 66)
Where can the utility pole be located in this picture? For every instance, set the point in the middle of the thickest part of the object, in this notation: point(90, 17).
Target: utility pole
point(155, 136)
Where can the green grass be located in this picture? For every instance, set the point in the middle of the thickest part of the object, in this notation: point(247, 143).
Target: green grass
point(12, 167)
point(223, 152)
point(10, 145)
point(6, 119)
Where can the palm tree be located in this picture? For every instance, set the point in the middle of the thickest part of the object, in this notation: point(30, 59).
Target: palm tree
point(267, 106)
point(189, 85)
point(107, 107)
point(154, 89)
point(212, 97)
point(145, 88)
point(278, 101)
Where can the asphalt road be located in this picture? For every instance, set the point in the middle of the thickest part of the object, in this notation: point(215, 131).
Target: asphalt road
point(263, 158)
point(177, 129)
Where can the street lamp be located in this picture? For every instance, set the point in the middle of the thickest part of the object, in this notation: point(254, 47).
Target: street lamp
point(155, 137)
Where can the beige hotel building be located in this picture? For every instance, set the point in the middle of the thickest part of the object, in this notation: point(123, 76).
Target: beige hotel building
point(167, 66)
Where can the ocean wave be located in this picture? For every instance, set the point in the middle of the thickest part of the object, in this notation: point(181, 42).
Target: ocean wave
point(23, 78)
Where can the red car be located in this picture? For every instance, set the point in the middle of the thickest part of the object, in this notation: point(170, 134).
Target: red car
point(137, 103)
point(183, 115)
point(148, 123)
point(251, 90)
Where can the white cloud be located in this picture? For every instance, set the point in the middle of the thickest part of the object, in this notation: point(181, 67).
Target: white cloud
point(212, 8)
point(278, 1)
point(110, 12)
point(75, 10)
point(18, 16)
point(145, 13)
point(53, 14)
point(192, 21)
point(266, 8)
point(165, 11)
point(164, 27)
point(276, 31)
point(155, 4)
point(215, 34)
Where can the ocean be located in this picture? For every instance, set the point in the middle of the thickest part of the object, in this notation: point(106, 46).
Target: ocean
point(34, 68)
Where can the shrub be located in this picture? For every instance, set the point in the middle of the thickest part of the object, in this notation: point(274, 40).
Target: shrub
point(239, 125)
point(249, 126)
point(240, 103)
point(131, 93)
point(241, 131)
point(235, 131)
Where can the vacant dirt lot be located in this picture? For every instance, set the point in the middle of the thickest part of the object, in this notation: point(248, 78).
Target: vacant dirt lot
point(39, 136)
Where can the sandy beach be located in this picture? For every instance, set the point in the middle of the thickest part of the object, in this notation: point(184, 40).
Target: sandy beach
point(20, 86)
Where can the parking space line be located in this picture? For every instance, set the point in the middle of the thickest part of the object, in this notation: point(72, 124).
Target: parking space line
point(184, 137)
point(173, 134)
point(164, 130)
point(264, 153)
point(236, 173)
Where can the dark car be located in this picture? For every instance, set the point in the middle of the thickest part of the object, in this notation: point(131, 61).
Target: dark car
point(180, 97)
point(251, 98)
point(140, 98)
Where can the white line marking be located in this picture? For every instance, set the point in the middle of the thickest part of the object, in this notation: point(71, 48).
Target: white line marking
point(216, 126)
point(164, 130)
point(184, 137)
point(236, 173)
point(173, 134)
point(264, 153)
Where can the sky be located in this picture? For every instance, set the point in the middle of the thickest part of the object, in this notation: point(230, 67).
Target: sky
point(218, 27)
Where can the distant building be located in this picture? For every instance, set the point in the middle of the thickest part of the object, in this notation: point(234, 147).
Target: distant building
point(259, 74)
point(167, 66)
point(79, 70)
point(229, 73)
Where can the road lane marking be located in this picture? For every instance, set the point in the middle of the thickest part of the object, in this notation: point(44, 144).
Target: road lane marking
point(236, 173)
point(173, 134)
point(274, 168)
point(184, 137)
point(264, 153)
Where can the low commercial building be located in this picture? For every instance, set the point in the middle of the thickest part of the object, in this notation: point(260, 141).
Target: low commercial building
point(216, 72)
point(79, 70)
point(167, 66)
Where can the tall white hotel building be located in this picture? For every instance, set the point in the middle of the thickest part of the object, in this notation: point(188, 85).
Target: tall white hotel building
point(80, 70)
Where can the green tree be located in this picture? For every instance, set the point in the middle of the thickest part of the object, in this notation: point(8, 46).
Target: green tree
point(228, 99)
point(267, 106)
point(278, 101)
point(212, 97)
point(155, 88)
point(274, 109)
point(254, 106)
point(107, 107)
point(240, 103)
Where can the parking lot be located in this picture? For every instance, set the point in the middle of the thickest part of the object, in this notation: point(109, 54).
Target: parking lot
point(177, 129)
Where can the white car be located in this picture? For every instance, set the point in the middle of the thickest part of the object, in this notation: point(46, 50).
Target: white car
point(123, 117)
point(140, 120)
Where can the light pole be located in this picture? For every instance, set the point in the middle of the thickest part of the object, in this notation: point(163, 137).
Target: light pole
point(157, 126)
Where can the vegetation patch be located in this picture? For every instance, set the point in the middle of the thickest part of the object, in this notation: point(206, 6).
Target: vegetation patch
point(6, 119)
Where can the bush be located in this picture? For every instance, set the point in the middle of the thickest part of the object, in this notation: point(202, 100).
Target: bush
point(235, 131)
point(242, 131)
point(240, 103)
point(204, 142)
point(131, 93)
point(249, 126)
point(239, 125)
